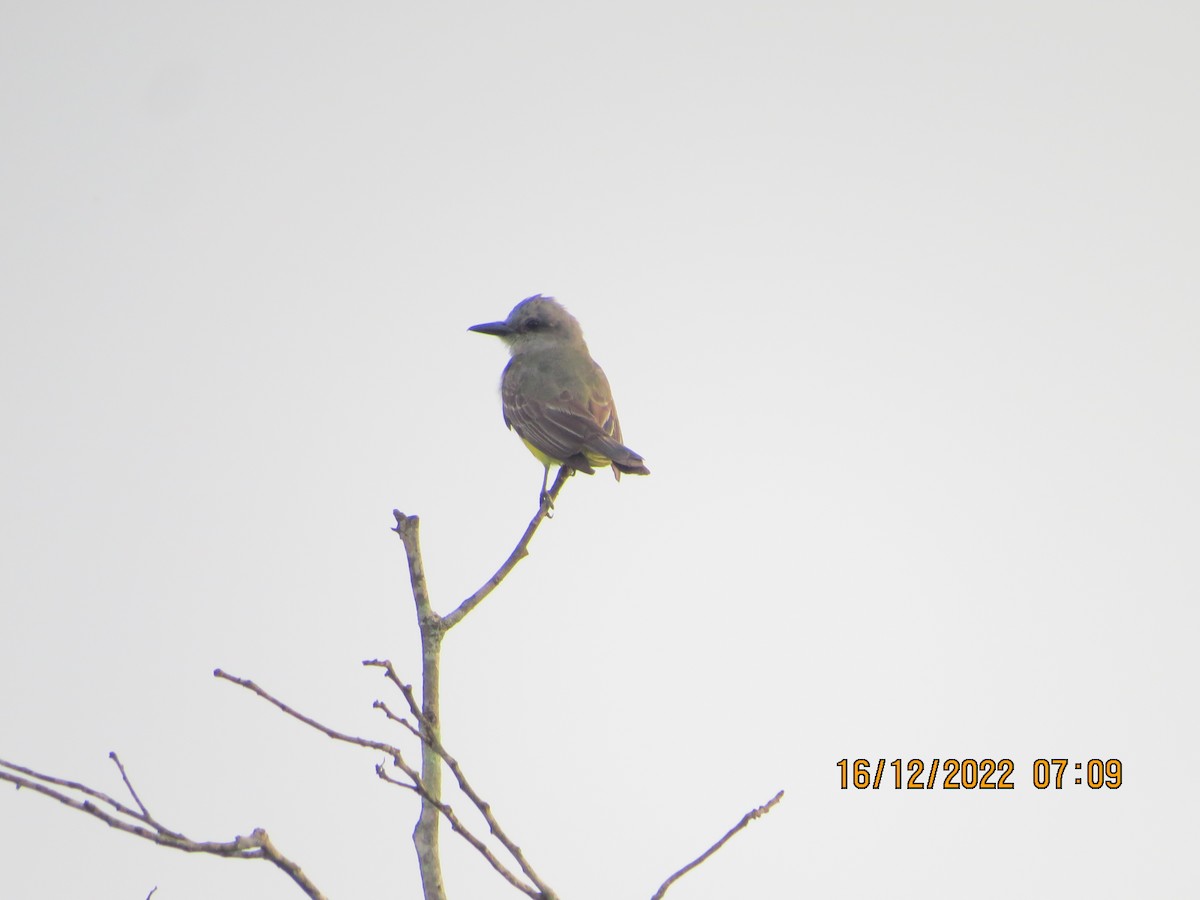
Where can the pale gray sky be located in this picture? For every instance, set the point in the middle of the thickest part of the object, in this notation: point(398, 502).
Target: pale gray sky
point(898, 300)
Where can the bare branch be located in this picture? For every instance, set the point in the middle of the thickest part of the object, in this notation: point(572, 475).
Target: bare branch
point(518, 554)
point(125, 778)
point(282, 862)
point(399, 720)
point(432, 629)
point(416, 783)
point(149, 819)
point(408, 527)
point(482, 805)
point(249, 685)
point(256, 846)
point(72, 785)
point(746, 820)
point(457, 826)
point(427, 784)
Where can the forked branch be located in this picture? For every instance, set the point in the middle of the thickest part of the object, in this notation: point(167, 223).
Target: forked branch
point(482, 805)
point(414, 782)
point(432, 629)
point(139, 822)
point(425, 726)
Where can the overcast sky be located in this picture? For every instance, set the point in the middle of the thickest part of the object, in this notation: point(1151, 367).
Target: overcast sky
point(899, 301)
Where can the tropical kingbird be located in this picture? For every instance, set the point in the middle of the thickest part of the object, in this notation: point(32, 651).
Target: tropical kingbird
point(555, 396)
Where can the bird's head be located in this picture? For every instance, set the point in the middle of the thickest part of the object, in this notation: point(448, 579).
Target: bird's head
point(535, 322)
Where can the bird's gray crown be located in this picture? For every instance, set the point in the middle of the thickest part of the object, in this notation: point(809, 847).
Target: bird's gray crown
point(540, 320)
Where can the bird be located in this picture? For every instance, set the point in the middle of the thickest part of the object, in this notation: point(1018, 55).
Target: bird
point(555, 396)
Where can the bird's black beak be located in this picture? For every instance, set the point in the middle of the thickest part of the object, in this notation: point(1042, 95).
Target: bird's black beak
point(499, 329)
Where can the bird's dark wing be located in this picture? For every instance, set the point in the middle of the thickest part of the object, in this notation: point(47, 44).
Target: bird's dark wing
point(577, 426)
point(577, 433)
point(560, 428)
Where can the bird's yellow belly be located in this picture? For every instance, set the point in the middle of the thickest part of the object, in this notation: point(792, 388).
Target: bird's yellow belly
point(542, 457)
point(597, 461)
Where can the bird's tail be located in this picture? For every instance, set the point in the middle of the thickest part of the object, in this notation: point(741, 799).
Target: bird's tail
point(618, 468)
point(609, 450)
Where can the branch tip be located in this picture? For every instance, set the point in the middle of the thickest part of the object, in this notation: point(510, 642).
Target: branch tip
point(746, 820)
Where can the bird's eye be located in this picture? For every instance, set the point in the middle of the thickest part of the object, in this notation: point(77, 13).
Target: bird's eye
point(533, 324)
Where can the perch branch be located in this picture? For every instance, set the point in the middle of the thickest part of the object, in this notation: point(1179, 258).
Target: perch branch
point(519, 553)
point(433, 628)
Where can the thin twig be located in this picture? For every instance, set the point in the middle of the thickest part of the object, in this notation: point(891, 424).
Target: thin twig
point(125, 778)
point(87, 806)
point(519, 553)
point(400, 720)
point(146, 817)
point(255, 846)
point(746, 820)
point(72, 785)
point(249, 685)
